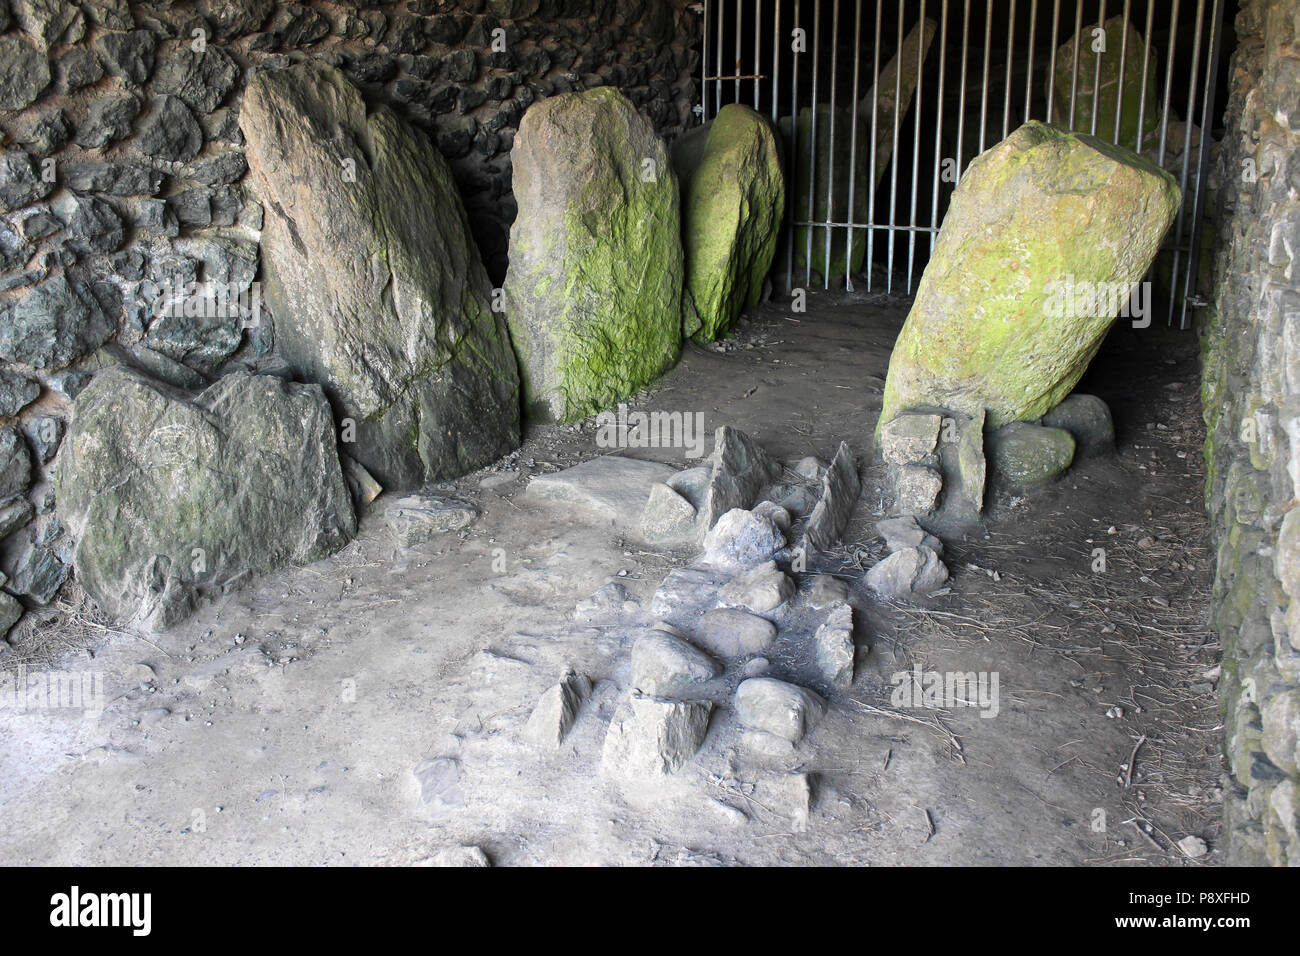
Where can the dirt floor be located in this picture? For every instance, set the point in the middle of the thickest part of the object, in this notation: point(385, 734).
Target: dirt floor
point(281, 725)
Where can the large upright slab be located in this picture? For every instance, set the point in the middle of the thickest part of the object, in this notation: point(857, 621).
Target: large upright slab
point(376, 287)
point(731, 213)
point(1043, 230)
point(594, 287)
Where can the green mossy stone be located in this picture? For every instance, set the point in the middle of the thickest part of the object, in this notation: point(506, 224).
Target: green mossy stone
point(1042, 207)
point(594, 287)
point(731, 214)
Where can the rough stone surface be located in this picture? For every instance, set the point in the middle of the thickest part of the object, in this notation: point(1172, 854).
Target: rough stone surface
point(840, 489)
point(903, 532)
point(557, 709)
point(730, 632)
point(740, 470)
point(732, 206)
point(419, 519)
point(156, 510)
point(909, 438)
point(16, 392)
point(60, 321)
point(833, 647)
point(378, 291)
point(763, 588)
point(26, 73)
point(916, 489)
point(665, 665)
point(15, 464)
point(1026, 454)
point(667, 516)
point(742, 539)
point(612, 487)
point(593, 292)
point(775, 707)
point(1043, 207)
point(652, 737)
point(907, 574)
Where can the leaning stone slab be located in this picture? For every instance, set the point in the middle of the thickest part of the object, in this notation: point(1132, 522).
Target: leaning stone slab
point(668, 516)
point(612, 487)
point(833, 646)
point(557, 709)
point(840, 489)
point(418, 519)
point(1044, 211)
point(377, 288)
point(741, 469)
point(775, 707)
point(652, 736)
point(732, 206)
point(171, 494)
point(593, 292)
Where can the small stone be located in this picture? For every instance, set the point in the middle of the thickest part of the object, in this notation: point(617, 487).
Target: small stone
point(666, 666)
point(127, 55)
point(1087, 418)
point(1026, 454)
point(667, 515)
point(742, 539)
point(775, 707)
point(108, 120)
point(458, 856)
point(651, 736)
point(907, 574)
point(762, 588)
point(841, 487)
point(557, 709)
point(438, 780)
point(730, 632)
point(692, 484)
point(770, 509)
point(171, 133)
point(810, 467)
point(827, 591)
point(916, 489)
point(38, 574)
point(1193, 847)
point(903, 532)
point(833, 646)
point(418, 519)
point(910, 438)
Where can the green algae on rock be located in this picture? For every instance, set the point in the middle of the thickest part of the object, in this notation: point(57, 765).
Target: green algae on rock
point(731, 213)
point(990, 329)
point(594, 288)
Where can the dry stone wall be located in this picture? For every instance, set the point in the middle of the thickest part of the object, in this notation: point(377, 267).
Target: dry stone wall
point(124, 186)
point(1251, 397)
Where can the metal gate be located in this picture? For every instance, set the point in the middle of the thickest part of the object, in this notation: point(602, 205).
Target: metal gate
point(930, 84)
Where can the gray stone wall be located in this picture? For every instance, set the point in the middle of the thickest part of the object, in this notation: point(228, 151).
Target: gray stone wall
point(122, 176)
point(1251, 397)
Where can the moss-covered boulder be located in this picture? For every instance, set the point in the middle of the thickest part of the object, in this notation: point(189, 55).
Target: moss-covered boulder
point(594, 287)
point(1011, 309)
point(731, 214)
point(377, 289)
point(171, 494)
point(1118, 37)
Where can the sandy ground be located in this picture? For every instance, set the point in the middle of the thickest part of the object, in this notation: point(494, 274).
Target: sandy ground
point(281, 724)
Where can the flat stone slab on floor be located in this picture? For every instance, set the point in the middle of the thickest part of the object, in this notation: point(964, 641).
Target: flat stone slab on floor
point(612, 487)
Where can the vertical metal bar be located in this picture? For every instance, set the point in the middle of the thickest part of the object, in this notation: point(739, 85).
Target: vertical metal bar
point(875, 124)
point(735, 69)
point(1006, 93)
point(717, 67)
point(812, 144)
point(758, 56)
point(704, 67)
point(1029, 68)
point(938, 129)
point(893, 156)
point(1051, 66)
point(776, 62)
point(961, 95)
point(794, 154)
point(1123, 62)
point(1146, 72)
point(1187, 149)
point(830, 146)
point(1096, 74)
point(1074, 65)
point(1203, 169)
point(1169, 85)
point(853, 143)
point(984, 86)
point(916, 147)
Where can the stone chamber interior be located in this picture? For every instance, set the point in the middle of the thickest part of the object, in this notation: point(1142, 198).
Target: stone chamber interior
point(468, 432)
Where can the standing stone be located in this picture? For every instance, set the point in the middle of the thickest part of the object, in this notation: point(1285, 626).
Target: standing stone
point(731, 212)
point(1042, 208)
point(840, 489)
point(170, 494)
point(594, 287)
point(557, 710)
point(377, 288)
point(833, 646)
point(740, 470)
point(1121, 37)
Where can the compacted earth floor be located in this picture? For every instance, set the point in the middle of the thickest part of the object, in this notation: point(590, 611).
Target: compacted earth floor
point(282, 724)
